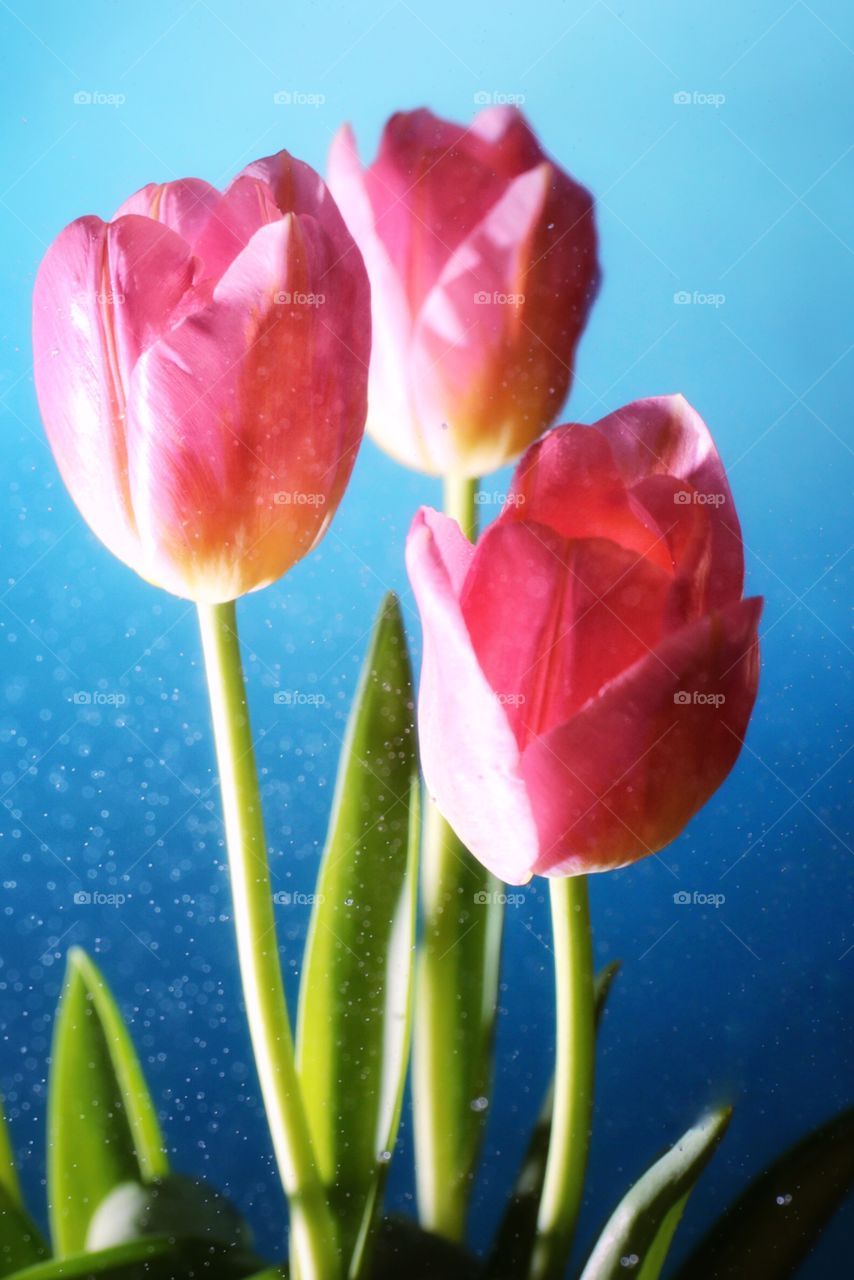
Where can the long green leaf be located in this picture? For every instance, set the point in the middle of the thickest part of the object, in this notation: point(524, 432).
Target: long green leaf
point(8, 1171)
point(514, 1239)
point(356, 990)
point(102, 1124)
point(20, 1242)
point(646, 1217)
point(150, 1259)
point(769, 1230)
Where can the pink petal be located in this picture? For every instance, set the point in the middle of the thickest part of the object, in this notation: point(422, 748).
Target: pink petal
point(431, 184)
point(623, 777)
point(242, 210)
point(297, 188)
point(468, 750)
point(103, 294)
point(391, 420)
point(239, 452)
point(553, 620)
point(495, 338)
point(183, 205)
point(569, 481)
point(664, 435)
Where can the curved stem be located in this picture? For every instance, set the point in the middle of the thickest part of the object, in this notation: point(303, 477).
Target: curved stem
point(456, 995)
point(563, 1185)
point(313, 1247)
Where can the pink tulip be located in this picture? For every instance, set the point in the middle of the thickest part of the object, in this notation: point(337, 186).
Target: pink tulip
point(590, 666)
point(201, 368)
point(482, 259)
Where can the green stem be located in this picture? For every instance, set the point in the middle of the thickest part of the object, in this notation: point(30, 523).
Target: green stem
point(313, 1248)
point(563, 1185)
point(456, 995)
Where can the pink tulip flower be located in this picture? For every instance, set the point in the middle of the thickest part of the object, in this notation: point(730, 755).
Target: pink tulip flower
point(590, 666)
point(201, 368)
point(482, 258)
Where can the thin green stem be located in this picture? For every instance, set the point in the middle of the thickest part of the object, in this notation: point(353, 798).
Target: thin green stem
point(313, 1243)
point(456, 995)
point(563, 1185)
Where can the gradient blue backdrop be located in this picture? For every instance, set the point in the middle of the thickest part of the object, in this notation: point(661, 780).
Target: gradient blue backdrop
point(743, 191)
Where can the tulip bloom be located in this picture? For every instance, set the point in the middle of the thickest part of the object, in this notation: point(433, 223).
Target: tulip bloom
point(201, 368)
point(590, 666)
point(482, 259)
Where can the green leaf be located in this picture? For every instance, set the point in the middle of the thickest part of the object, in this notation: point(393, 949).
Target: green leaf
point(151, 1259)
point(514, 1239)
point(8, 1172)
point(356, 989)
point(639, 1231)
point(20, 1242)
point(769, 1230)
point(102, 1124)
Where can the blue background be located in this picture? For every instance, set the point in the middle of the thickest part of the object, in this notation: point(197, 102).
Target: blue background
point(750, 199)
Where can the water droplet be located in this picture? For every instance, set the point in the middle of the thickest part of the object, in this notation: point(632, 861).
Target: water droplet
point(629, 1261)
point(784, 1200)
point(479, 1104)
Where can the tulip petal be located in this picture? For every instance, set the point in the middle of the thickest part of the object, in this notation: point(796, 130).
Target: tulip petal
point(664, 435)
point(495, 338)
point(184, 205)
point(553, 620)
point(239, 450)
point(390, 418)
point(569, 481)
point(103, 294)
point(473, 773)
point(431, 184)
point(623, 777)
point(297, 188)
point(240, 211)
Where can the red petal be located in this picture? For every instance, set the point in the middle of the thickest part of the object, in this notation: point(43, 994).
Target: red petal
point(623, 777)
